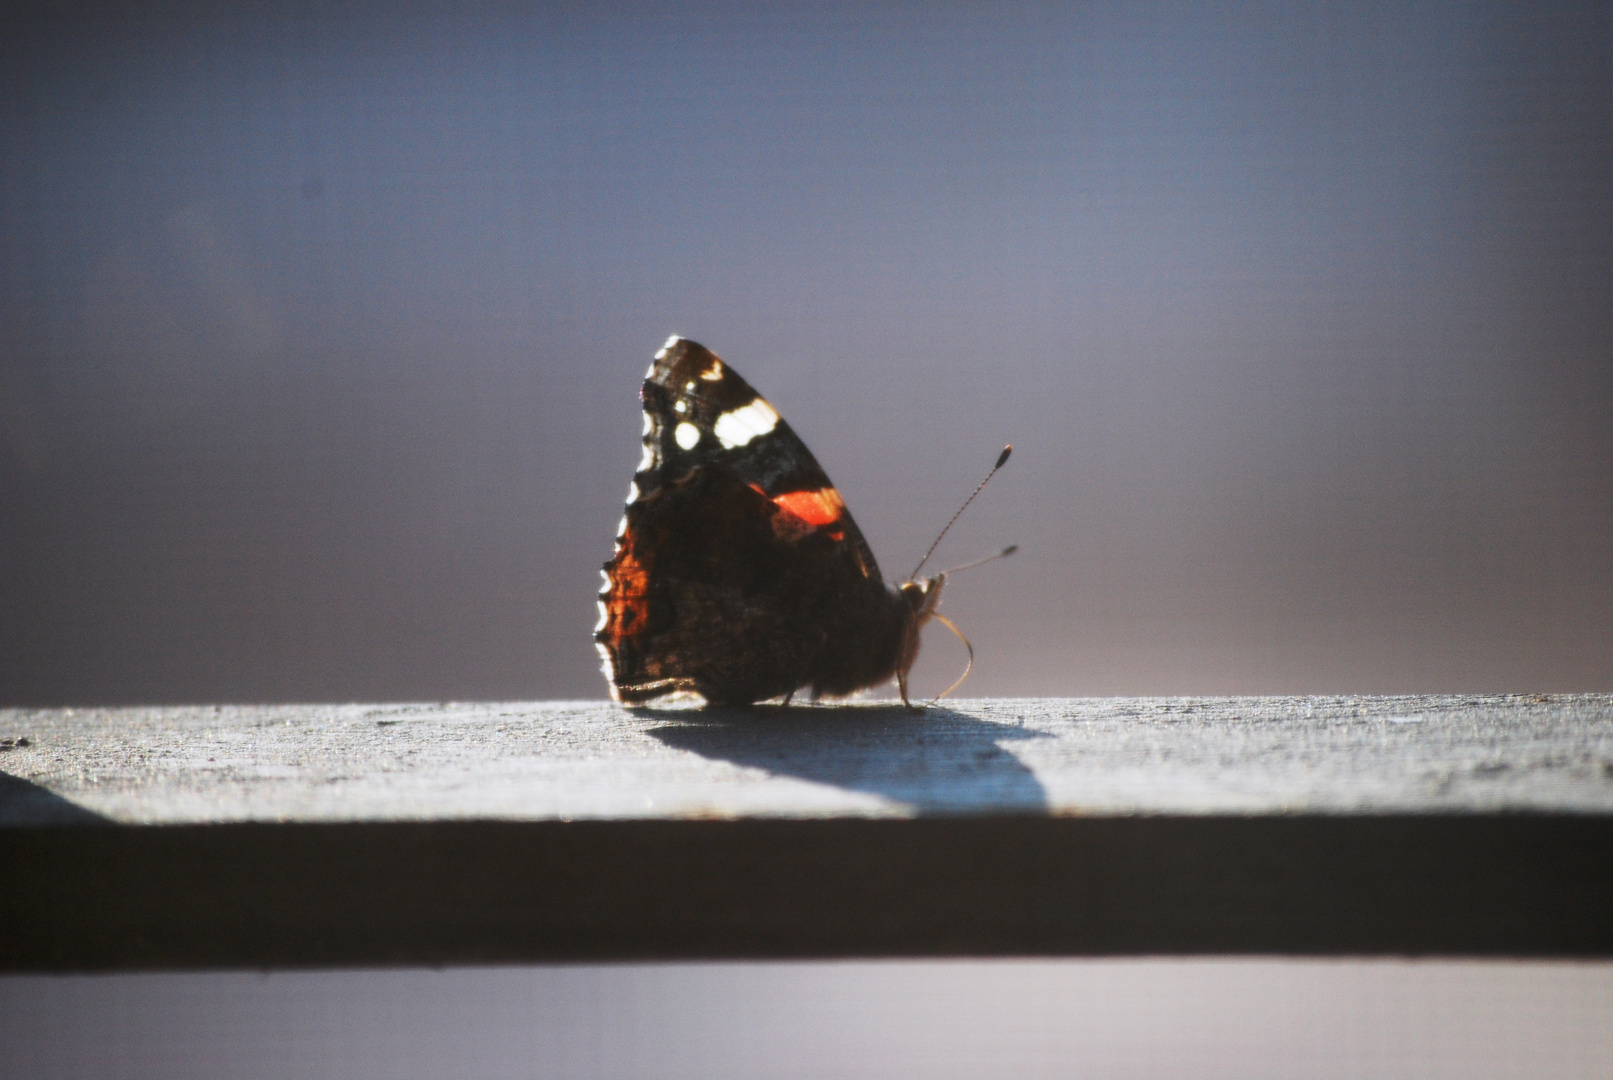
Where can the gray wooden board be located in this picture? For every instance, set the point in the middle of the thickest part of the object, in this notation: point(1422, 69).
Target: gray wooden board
point(593, 760)
point(303, 835)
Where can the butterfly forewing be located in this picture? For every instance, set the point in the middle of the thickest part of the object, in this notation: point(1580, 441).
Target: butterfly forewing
point(738, 572)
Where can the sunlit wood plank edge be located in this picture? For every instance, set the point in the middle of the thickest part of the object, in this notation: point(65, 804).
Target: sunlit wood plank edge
point(527, 761)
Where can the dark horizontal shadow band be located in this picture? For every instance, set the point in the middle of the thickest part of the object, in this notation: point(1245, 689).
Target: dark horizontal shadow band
point(262, 895)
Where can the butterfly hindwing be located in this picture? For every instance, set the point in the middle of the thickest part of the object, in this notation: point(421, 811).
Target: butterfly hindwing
point(738, 574)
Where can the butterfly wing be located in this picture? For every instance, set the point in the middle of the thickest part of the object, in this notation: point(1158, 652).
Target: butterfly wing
point(738, 573)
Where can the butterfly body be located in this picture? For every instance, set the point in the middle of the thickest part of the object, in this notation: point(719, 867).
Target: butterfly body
point(738, 572)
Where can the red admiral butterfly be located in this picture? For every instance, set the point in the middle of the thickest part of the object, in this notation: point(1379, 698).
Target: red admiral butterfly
point(739, 574)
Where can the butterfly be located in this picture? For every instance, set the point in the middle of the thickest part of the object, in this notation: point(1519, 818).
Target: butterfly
point(739, 574)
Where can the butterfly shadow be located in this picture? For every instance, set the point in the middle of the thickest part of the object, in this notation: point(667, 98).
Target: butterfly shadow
point(938, 761)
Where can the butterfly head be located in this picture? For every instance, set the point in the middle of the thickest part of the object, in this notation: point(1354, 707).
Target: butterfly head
point(923, 596)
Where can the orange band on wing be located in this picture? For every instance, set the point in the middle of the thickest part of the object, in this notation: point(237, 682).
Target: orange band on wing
point(625, 600)
point(820, 507)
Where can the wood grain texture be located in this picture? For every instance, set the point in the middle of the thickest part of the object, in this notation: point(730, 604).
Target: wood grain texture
point(593, 760)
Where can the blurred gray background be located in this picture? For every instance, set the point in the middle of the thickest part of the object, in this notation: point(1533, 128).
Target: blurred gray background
point(321, 330)
point(1137, 1019)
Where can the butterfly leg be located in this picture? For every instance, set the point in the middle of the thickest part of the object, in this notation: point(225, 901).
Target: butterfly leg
point(788, 696)
point(901, 685)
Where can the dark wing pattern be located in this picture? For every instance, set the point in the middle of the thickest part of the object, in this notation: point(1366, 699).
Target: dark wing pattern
point(738, 572)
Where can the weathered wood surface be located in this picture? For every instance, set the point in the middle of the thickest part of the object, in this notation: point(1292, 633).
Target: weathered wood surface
point(361, 835)
point(593, 760)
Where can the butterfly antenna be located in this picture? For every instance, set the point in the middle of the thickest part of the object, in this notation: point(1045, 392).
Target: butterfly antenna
point(1003, 554)
point(1002, 459)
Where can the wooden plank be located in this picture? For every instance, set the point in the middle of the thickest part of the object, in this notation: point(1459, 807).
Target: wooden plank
point(592, 760)
point(361, 835)
point(255, 895)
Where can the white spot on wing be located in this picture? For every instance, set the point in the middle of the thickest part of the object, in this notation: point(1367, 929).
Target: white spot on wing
point(713, 373)
point(632, 491)
point(680, 406)
point(604, 616)
point(671, 341)
point(621, 527)
point(740, 426)
point(688, 435)
point(646, 461)
point(649, 425)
